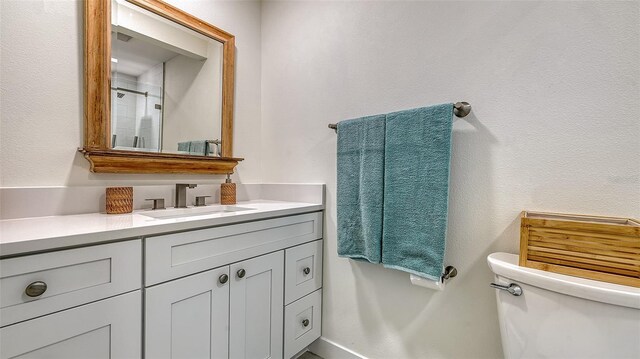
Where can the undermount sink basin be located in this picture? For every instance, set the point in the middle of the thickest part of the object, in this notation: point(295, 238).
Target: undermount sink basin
point(193, 211)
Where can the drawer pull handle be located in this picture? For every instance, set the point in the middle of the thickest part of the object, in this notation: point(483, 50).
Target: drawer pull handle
point(36, 289)
point(241, 273)
point(223, 278)
point(306, 270)
point(305, 323)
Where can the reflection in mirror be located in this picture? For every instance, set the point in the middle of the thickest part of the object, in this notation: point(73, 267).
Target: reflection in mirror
point(166, 85)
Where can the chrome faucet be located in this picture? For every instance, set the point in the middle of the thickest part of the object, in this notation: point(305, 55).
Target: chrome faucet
point(181, 194)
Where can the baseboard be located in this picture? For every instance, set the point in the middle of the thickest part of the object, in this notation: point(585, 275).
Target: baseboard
point(300, 353)
point(331, 350)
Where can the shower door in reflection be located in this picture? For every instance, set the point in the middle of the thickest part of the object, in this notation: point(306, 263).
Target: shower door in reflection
point(136, 108)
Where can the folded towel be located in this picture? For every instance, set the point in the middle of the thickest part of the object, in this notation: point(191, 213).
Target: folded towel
point(360, 187)
point(198, 148)
point(416, 189)
point(184, 146)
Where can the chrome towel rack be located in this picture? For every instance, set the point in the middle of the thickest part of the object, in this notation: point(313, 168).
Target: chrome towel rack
point(460, 109)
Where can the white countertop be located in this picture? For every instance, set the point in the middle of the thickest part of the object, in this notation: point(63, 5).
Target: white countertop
point(26, 235)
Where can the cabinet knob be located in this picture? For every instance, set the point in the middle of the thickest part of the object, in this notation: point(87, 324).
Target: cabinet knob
point(36, 289)
point(241, 273)
point(306, 270)
point(223, 278)
point(305, 323)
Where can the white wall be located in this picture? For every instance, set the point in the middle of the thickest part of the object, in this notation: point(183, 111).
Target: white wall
point(555, 127)
point(242, 19)
point(41, 107)
point(193, 91)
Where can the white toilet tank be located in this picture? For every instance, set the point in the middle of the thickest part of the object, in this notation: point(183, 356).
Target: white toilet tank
point(559, 316)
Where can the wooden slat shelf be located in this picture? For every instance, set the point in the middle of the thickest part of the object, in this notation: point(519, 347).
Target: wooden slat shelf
point(593, 247)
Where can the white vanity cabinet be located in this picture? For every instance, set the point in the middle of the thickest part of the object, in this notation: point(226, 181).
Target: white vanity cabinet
point(225, 294)
point(69, 303)
point(109, 328)
point(242, 290)
point(189, 317)
point(303, 297)
point(256, 308)
point(227, 312)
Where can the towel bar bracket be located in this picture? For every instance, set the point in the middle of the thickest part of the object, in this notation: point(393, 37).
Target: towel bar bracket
point(461, 109)
point(449, 272)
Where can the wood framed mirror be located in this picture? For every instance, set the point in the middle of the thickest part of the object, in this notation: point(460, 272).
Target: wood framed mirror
point(165, 153)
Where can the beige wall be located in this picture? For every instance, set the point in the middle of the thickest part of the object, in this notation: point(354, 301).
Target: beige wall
point(555, 126)
point(41, 100)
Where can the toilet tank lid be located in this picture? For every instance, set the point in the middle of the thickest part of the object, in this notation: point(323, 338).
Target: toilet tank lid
point(506, 265)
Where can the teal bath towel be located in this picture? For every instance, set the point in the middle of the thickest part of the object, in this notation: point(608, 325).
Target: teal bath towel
point(198, 148)
point(416, 189)
point(360, 187)
point(184, 146)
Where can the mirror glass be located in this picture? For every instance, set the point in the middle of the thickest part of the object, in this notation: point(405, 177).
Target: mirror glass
point(166, 85)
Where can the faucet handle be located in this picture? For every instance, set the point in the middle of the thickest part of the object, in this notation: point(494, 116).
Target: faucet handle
point(200, 200)
point(158, 203)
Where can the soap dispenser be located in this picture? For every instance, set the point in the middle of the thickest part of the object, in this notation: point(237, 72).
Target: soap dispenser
point(228, 191)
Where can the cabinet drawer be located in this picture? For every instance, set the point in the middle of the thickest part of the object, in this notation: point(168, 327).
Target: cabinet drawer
point(109, 328)
point(180, 254)
point(303, 270)
point(72, 277)
point(302, 323)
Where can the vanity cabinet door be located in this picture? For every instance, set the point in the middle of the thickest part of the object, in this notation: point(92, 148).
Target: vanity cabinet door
point(109, 328)
point(189, 317)
point(256, 309)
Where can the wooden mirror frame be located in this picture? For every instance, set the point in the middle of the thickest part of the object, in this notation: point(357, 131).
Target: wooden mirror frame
point(97, 97)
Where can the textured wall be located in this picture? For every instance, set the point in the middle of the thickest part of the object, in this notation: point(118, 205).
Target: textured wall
point(555, 127)
point(41, 104)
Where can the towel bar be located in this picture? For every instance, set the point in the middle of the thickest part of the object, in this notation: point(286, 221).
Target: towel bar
point(460, 109)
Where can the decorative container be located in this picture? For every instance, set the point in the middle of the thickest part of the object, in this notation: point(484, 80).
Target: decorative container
point(119, 200)
point(600, 248)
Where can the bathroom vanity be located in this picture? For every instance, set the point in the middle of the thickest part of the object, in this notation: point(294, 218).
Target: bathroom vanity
point(206, 282)
point(233, 282)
